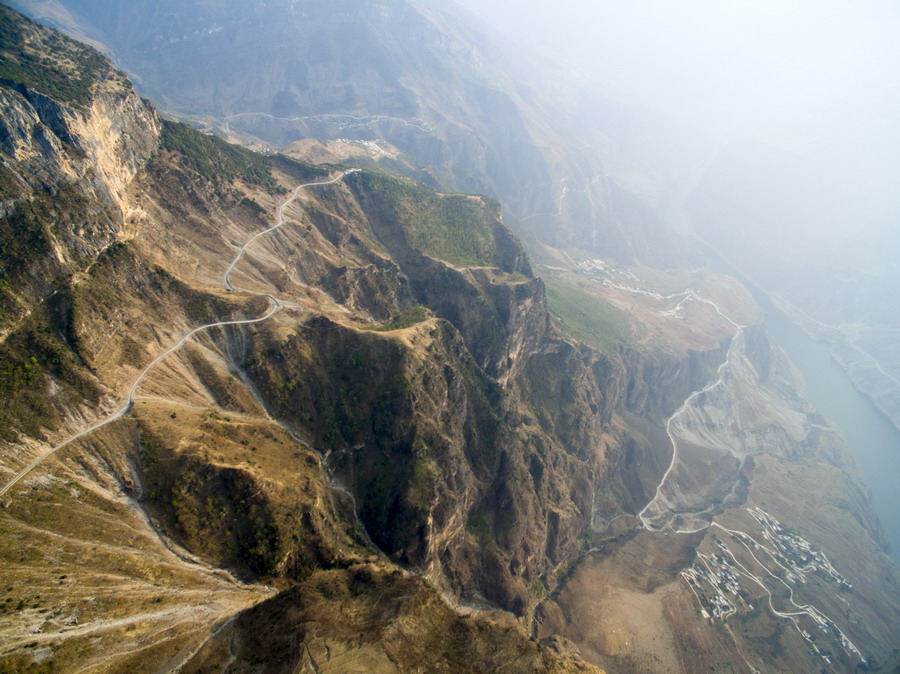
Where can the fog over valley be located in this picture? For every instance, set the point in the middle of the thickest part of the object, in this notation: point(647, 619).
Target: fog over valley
point(733, 68)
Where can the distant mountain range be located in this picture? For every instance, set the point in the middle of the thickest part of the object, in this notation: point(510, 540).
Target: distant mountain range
point(410, 73)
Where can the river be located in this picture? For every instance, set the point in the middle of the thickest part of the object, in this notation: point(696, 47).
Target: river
point(870, 435)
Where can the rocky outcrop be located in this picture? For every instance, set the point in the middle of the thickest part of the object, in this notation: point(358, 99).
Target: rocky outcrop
point(397, 623)
point(66, 167)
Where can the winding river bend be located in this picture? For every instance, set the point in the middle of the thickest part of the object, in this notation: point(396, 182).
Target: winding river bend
point(872, 438)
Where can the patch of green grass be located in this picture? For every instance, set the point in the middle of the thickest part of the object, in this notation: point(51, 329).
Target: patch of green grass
point(587, 317)
point(300, 171)
point(538, 589)
point(422, 485)
point(252, 206)
point(411, 316)
point(454, 228)
point(457, 229)
point(479, 526)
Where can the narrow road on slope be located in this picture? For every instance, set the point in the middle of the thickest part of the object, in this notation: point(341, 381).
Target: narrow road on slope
point(277, 225)
point(681, 410)
point(275, 307)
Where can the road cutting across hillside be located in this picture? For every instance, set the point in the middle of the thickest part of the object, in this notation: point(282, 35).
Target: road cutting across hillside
point(275, 307)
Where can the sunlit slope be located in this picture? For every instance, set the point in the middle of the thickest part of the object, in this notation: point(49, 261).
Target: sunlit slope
point(272, 446)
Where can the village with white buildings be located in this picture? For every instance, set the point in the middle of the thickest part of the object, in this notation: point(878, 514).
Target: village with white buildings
point(723, 585)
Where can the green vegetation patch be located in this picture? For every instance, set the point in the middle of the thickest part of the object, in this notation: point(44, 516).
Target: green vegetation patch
point(23, 236)
point(301, 171)
point(479, 526)
point(410, 317)
point(46, 61)
point(587, 317)
point(456, 228)
point(218, 511)
point(11, 186)
point(214, 159)
point(555, 399)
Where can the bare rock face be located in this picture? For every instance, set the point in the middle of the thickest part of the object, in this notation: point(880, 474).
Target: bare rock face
point(114, 136)
point(99, 126)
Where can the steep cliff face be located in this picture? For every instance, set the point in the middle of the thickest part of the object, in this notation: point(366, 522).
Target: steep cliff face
point(411, 414)
point(73, 134)
point(66, 161)
point(67, 110)
point(111, 139)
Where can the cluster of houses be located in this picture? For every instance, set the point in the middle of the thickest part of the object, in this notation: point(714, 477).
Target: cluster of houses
point(726, 593)
point(600, 271)
point(795, 552)
point(715, 581)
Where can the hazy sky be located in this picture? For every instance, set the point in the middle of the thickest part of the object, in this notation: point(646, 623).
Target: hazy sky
point(741, 65)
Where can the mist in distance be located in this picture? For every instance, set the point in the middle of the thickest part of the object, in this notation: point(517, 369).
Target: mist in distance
point(795, 104)
point(731, 66)
point(778, 127)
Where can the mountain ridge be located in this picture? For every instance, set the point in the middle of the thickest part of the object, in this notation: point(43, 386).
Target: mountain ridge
point(442, 94)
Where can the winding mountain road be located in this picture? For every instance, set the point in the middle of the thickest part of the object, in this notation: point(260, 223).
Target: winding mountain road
point(275, 307)
point(681, 410)
point(278, 225)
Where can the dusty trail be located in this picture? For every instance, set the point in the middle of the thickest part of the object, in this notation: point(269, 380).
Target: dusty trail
point(275, 307)
point(280, 223)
